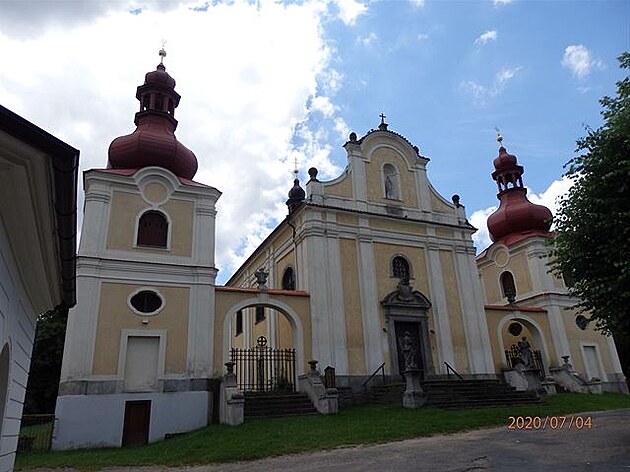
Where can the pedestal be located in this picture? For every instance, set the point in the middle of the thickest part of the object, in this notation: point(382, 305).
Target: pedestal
point(414, 396)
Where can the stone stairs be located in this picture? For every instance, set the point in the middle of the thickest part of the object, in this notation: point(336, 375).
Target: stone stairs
point(471, 393)
point(444, 393)
point(275, 405)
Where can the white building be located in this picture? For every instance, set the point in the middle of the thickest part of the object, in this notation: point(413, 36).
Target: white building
point(38, 186)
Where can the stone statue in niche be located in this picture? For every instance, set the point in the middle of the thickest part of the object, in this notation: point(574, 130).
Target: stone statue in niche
point(409, 349)
point(525, 353)
point(389, 187)
point(261, 278)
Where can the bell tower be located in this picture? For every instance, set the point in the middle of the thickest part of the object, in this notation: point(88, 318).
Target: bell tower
point(138, 354)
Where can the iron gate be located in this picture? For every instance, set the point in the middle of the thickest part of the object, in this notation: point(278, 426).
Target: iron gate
point(264, 369)
point(513, 357)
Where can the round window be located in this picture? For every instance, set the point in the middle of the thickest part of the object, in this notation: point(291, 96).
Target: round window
point(581, 321)
point(515, 329)
point(146, 302)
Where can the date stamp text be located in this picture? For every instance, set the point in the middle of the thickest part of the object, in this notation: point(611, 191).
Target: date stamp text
point(549, 422)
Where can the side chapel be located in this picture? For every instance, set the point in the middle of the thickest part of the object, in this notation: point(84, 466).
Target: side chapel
point(360, 263)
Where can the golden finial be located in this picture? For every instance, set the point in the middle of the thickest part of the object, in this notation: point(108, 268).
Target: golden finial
point(162, 52)
point(499, 137)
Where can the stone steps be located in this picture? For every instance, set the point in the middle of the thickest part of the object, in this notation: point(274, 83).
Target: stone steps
point(446, 393)
point(266, 405)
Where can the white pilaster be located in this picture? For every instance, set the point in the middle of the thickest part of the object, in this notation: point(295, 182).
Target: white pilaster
point(440, 312)
point(78, 352)
point(95, 218)
point(475, 325)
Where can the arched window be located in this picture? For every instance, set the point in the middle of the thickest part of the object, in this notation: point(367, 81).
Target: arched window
point(288, 279)
point(400, 268)
point(152, 229)
point(390, 182)
point(508, 288)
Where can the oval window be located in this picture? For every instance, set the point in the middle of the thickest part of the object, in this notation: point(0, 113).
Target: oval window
point(515, 329)
point(146, 301)
point(581, 321)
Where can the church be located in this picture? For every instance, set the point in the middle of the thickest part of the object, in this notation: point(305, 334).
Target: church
point(362, 267)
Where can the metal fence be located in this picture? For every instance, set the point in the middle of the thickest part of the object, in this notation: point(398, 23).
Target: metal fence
point(263, 369)
point(36, 432)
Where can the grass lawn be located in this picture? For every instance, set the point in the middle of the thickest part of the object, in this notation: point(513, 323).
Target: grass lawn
point(260, 438)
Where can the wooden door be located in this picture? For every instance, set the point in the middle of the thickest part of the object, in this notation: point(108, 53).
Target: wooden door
point(136, 424)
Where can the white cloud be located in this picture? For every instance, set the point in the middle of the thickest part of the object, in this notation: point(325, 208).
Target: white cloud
point(501, 2)
point(417, 3)
point(350, 10)
point(577, 58)
point(506, 74)
point(478, 219)
point(367, 40)
point(246, 110)
point(549, 198)
point(482, 93)
point(486, 37)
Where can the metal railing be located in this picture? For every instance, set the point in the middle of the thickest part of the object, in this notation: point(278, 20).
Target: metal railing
point(380, 368)
point(263, 369)
point(450, 369)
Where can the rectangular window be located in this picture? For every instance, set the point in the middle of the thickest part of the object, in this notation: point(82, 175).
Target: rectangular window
point(260, 314)
point(239, 322)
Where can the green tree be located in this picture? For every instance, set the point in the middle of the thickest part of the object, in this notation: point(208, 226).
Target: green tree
point(43, 379)
point(592, 244)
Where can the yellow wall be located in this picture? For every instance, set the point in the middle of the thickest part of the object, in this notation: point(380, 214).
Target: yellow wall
point(518, 266)
point(342, 188)
point(125, 208)
point(588, 336)
point(520, 269)
point(352, 306)
point(437, 204)
point(115, 315)
point(346, 219)
point(374, 176)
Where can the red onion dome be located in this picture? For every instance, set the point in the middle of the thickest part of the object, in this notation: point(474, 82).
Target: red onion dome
point(516, 214)
point(504, 160)
point(159, 77)
point(153, 143)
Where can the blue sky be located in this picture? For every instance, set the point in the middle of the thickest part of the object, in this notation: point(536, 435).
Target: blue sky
point(264, 83)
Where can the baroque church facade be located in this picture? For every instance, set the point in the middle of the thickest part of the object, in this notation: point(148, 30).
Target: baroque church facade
point(360, 262)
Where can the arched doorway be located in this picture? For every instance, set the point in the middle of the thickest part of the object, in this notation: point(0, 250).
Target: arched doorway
point(264, 337)
point(519, 338)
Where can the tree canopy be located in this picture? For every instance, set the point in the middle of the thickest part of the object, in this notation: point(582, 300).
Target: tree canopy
point(43, 379)
point(592, 244)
